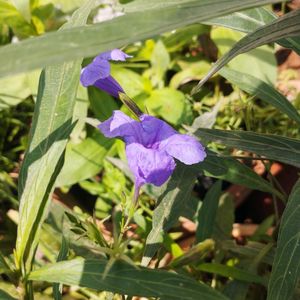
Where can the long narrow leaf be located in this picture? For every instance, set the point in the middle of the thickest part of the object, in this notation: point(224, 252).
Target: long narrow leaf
point(232, 170)
point(271, 146)
point(90, 40)
point(208, 212)
point(174, 196)
point(284, 27)
point(125, 279)
point(264, 91)
point(52, 124)
point(286, 268)
point(250, 20)
point(233, 272)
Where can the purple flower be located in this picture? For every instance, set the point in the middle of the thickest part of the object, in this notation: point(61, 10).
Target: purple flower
point(151, 146)
point(97, 73)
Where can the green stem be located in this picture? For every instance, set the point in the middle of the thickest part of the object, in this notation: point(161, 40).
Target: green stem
point(132, 208)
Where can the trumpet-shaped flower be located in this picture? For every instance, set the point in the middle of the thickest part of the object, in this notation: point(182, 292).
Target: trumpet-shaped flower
point(151, 146)
point(97, 73)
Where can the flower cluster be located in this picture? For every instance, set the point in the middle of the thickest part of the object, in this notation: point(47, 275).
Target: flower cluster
point(151, 144)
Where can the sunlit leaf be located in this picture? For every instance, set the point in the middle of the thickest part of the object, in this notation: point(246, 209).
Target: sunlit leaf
point(64, 46)
point(51, 127)
point(125, 279)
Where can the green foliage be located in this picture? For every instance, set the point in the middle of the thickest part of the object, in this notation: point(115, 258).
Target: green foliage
point(75, 43)
point(285, 272)
point(208, 211)
point(262, 90)
point(124, 278)
point(173, 196)
point(278, 148)
point(287, 26)
point(52, 125)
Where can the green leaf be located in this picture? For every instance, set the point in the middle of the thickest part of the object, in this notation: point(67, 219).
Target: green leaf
point(250, 250)
point(23, 7)
point(173, 197)
point(234, 171)
point(123, 278)
point(4, 267)
point(233, 272)
point(5, 296)
point(133, 83)
point(260, 62)
point(169, 104)
point(51, 127)
point(271, 146)
point(286, 26)
point(262, 90)
point(66, 5)
point(224, 218)
point(62, 255)
point(88, 155)
point(250, 20)
point(175, 41)
point(192, 71)
point(101, 103)
point(208, 212)
point(160, 60)
point(245, 21)
point(13, 90)
point(286, 268)
point(71, 44)
point(12, 17)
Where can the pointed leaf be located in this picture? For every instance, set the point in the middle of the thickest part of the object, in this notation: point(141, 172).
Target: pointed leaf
point(286, 268)
point(286, 26)
point(250, 20)
point(71, 44)
point(173, 198)
point(208, 212)
point(234, 171)
point(126, 279)
point(262, 90)
point(51, 127)
point(270, 146)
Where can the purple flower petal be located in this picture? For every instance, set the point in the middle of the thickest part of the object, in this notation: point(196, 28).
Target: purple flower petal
point(115, 54)
point(109, 85)
point(120, 125)
point(93, 72)
point(155, 130)
point(184, 148)
point(149, 165)
point(151, 146)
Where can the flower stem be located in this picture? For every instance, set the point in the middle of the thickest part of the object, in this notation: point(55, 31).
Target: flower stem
point(132, 207)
